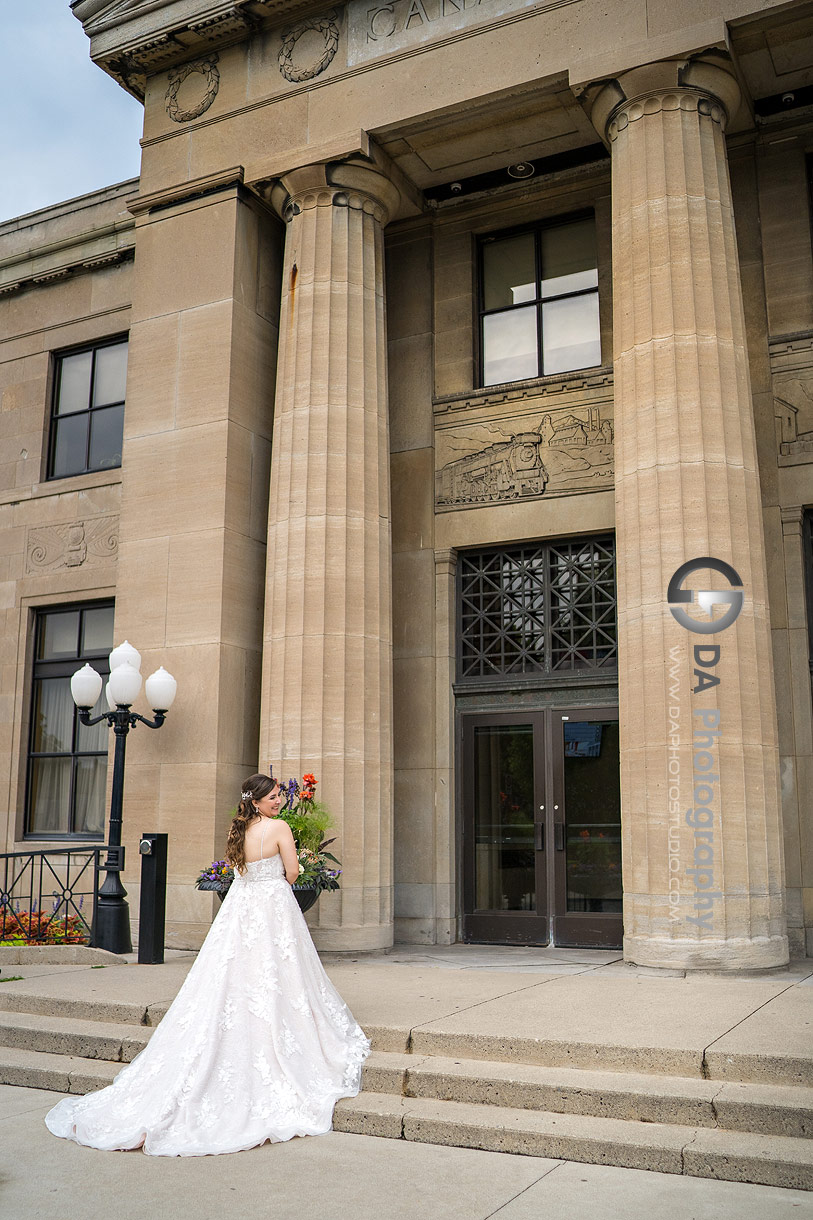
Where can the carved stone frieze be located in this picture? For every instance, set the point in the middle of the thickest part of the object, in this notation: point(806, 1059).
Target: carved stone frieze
point(71, 545)
point(519, 446)
point(792, 373)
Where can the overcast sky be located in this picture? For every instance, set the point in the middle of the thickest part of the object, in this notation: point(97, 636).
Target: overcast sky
point(65, 127)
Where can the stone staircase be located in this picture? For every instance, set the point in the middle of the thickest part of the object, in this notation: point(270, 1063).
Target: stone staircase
point(573, 1104)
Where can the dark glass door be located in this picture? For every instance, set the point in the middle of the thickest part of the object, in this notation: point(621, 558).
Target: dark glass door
point(587, 828)
point(542, 827)
point(504, 834)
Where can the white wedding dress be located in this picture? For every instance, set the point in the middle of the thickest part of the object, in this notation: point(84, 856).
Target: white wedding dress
point(257, 1045)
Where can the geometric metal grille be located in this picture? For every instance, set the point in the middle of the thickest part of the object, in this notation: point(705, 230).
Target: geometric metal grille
point(538, 608)
point(582, 604)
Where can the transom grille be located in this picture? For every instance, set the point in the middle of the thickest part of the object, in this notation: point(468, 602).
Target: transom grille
point(538, 608)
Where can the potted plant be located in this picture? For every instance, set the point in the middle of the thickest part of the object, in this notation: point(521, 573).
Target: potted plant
point(309, 820)
point(318, 869)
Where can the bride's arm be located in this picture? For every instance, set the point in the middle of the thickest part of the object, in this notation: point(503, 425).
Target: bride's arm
point(287, 849)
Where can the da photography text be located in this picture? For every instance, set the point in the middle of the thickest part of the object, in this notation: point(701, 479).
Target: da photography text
point(704, 810)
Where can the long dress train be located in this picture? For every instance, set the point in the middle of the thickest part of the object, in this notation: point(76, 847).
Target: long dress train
point(257, 1045)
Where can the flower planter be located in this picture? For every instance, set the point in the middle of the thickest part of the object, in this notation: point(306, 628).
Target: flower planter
point(305, 895)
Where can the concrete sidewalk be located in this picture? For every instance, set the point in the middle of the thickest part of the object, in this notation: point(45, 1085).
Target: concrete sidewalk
point(581, 1007)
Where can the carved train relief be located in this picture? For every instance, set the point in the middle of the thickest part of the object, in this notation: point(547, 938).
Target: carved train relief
point(792, 369)
point(567, 451)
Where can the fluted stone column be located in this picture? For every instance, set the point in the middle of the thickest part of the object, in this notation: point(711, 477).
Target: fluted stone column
point(686, 487)
point(327, 685)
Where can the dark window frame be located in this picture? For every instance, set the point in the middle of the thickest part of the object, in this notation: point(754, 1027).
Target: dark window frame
point(553, 668)
point(53, 418)
point(536, 227)
point(64, 667)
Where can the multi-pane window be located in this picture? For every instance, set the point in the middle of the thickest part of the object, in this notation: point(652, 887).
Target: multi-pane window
point(539, 302)
point(538, 608)
point(87, 421)
point(67, 762)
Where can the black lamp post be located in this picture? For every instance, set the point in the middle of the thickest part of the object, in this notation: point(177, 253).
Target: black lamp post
point(112, 930)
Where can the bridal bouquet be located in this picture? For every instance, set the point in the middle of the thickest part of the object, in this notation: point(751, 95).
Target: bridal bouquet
point(308, 820)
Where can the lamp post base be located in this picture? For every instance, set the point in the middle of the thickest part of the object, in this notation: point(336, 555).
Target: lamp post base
point(113, 926)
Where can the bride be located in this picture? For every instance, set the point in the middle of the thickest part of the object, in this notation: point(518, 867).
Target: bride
point(258, 1044)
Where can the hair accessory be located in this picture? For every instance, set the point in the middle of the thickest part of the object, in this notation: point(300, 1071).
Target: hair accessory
point(245, 796)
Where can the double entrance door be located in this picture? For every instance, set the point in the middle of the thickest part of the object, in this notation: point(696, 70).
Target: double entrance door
point(542, 827)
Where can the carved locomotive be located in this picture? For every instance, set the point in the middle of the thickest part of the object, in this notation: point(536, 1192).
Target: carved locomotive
point(505, 471)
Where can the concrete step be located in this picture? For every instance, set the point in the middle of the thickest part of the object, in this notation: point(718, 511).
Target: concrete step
point(766, 1068)
point(14, 998)
point(62, 1073)
point(70, 1036)
point(778, 1068)
point(734, 1156)
point(765, 1109)
point(737, 1132)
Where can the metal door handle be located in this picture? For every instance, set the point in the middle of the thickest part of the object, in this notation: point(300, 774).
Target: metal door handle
point(539, 836)
point(559, 835)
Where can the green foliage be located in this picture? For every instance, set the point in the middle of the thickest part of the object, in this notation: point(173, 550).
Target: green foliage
point(308, 821)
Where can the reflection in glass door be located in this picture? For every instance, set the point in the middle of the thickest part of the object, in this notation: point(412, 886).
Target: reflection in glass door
point(504, 839)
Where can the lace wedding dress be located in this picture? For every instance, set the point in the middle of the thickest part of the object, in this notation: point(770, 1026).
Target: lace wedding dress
point(257, 1045)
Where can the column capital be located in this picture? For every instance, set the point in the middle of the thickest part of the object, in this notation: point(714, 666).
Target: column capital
point(704, 82)
point(792, 517)
point(350, 184)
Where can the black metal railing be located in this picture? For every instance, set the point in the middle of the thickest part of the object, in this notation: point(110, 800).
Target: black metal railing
point(50, 896)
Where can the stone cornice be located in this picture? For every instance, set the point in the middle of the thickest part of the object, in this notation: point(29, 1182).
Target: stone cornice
point(130, 39)
point(104, 246)
point(185, 191)
point(594, 382)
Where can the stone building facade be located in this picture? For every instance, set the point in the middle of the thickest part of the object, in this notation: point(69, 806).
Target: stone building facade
point(456, 332)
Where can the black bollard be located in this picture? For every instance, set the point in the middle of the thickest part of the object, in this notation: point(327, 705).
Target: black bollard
point(153, 907)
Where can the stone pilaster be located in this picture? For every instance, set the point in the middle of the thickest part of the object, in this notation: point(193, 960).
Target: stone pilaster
point(327, 686)
point(687, 487)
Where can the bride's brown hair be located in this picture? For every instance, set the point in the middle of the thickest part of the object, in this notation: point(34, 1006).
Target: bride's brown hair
point(254, 789)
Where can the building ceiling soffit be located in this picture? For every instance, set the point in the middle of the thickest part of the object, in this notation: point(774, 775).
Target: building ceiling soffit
point(775, 51)
point(520, 125)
